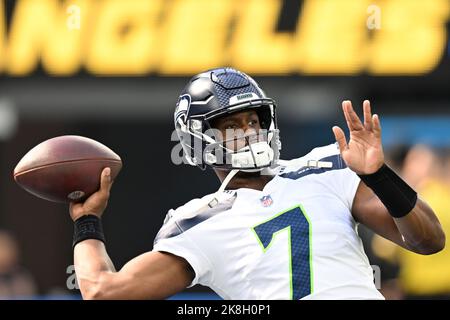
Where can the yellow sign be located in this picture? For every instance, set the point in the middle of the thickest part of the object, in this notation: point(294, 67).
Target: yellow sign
point(182, 37)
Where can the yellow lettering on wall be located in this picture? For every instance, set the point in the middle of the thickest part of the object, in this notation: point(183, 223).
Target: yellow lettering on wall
point(124, 39)
point(331, 37)
point(182, 37)
point(195, 35)
point(412, 37)
point(2, 35)
point(256, 48)
point(39, 30)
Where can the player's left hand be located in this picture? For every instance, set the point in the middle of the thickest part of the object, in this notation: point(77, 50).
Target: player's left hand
point(363, 153)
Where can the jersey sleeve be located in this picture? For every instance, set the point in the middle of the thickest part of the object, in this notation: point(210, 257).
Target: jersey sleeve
point(173, 239)
point(346, 186)
point(343, 181)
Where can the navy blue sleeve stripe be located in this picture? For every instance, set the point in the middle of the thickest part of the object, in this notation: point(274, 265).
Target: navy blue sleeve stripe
point(336, 160)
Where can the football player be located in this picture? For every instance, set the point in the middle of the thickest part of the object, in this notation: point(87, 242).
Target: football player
point(275, 229)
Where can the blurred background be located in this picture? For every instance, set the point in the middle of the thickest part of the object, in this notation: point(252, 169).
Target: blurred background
point(112, 70)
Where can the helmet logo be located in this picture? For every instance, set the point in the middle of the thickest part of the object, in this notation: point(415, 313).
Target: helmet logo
point(184, 102)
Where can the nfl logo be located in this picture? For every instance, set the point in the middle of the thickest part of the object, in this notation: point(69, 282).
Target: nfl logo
point(266, 201)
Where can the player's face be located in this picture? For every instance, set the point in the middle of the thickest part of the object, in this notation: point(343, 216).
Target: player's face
point(236, 126)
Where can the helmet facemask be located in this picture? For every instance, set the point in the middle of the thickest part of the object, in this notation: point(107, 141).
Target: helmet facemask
point(250, 151)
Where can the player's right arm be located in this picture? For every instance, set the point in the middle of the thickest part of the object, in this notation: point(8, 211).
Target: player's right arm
point(152, 275)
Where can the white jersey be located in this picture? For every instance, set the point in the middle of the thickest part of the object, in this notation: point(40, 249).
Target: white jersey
point(295, 239)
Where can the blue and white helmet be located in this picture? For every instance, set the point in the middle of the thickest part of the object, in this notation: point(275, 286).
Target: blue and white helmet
point(216, 93)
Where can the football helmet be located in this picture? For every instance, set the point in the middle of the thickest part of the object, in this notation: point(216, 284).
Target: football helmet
point(216, 93)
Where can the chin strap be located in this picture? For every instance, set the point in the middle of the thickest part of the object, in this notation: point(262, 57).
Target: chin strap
point(214, 199)
point(224, 184)
point(227, 180)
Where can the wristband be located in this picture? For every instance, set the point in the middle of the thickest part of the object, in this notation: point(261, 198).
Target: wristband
point(88, 227)
point(397, 196)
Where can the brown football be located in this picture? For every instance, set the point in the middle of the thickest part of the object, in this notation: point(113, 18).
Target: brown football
point(65, 168)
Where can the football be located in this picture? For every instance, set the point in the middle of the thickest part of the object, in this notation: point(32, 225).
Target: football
point(65, 168)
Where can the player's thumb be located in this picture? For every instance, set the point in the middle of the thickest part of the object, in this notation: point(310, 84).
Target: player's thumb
point(106, 180)
point(340, 138)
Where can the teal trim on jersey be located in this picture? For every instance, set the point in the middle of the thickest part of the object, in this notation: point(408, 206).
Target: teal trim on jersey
point(267, 228)
point(311, 270)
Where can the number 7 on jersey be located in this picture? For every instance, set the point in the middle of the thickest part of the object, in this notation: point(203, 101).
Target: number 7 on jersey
point(298, 227)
